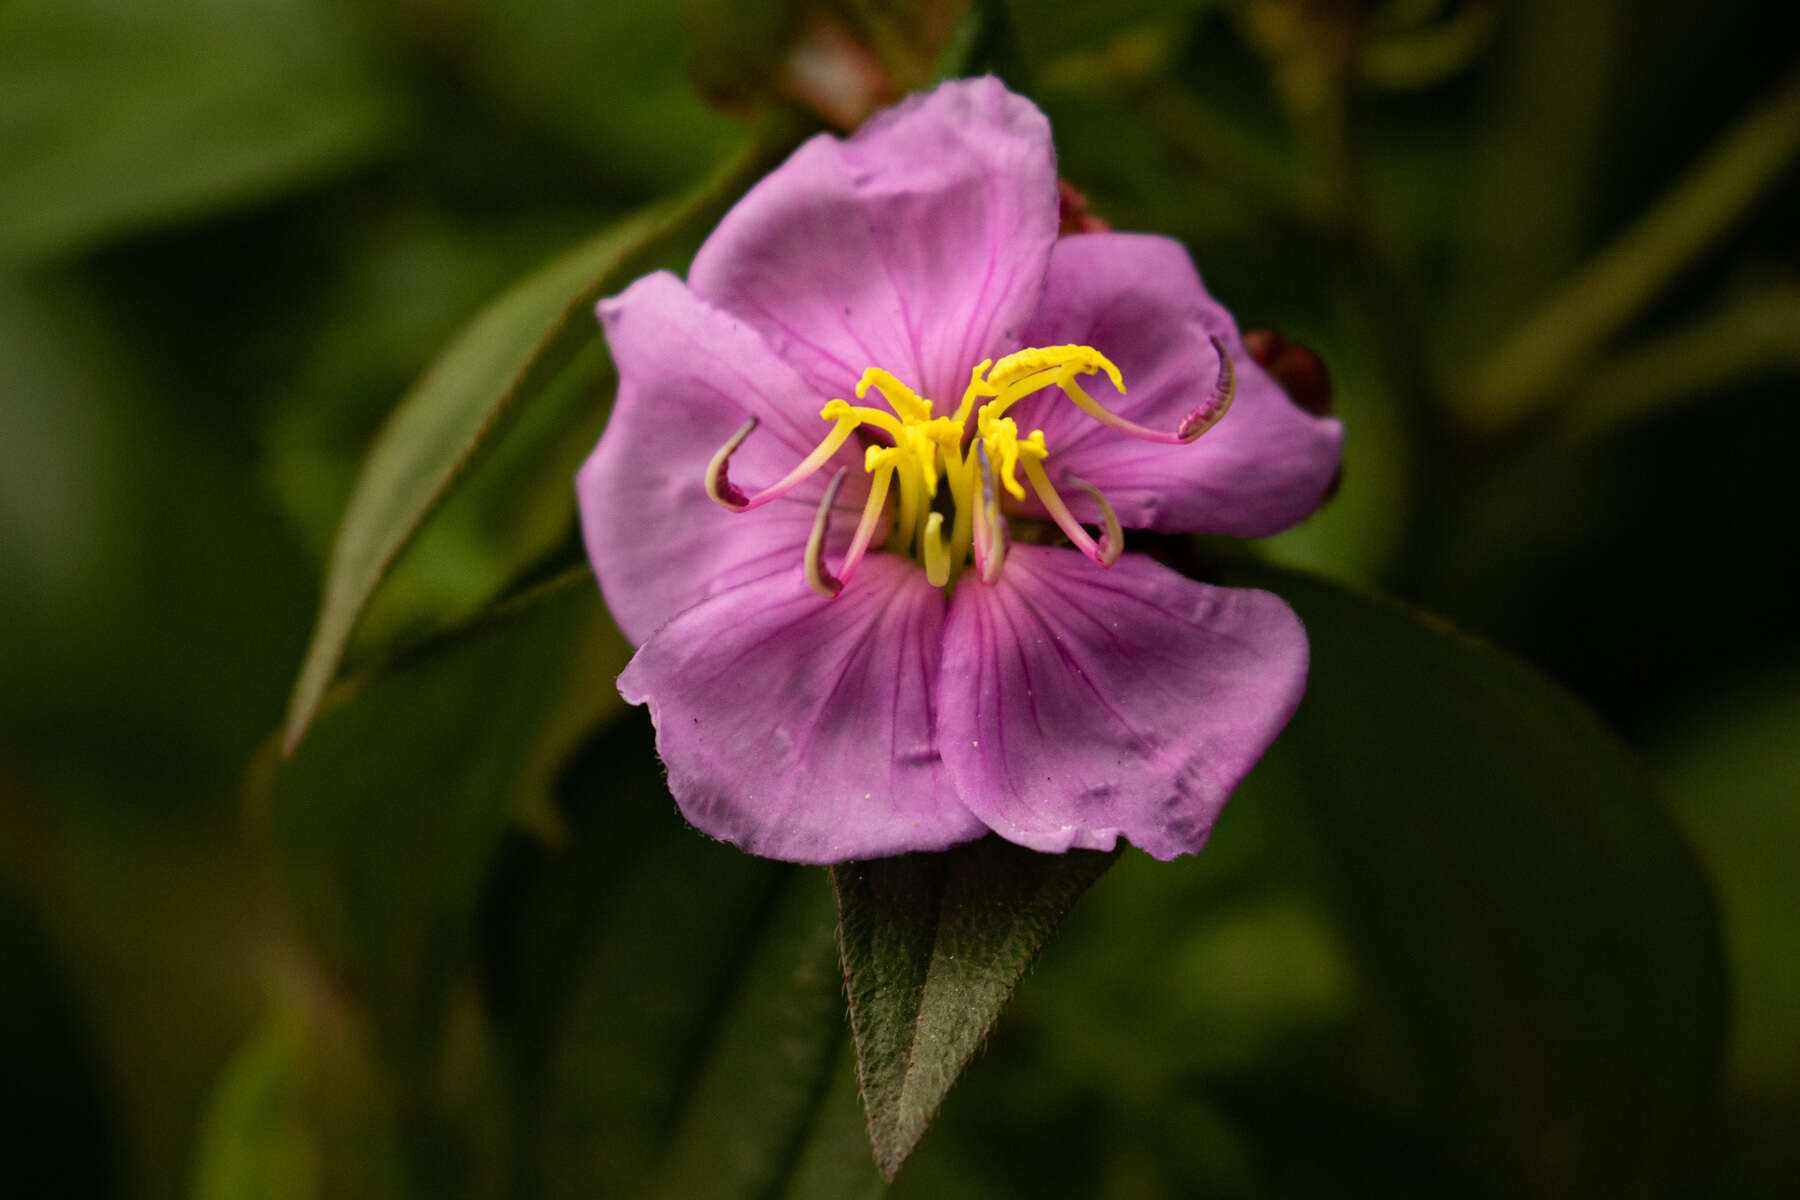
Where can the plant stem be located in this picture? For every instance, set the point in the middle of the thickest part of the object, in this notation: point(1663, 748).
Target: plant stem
point(1512, 383)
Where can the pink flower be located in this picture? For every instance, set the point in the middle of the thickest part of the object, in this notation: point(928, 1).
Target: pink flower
point(845, 654)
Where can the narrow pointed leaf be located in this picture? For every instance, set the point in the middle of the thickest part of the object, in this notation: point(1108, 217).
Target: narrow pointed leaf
point(933, 945)
point(769, 1065)
point(384, 825)
point(509, 353)
point(672, 1007)
point(120, 117)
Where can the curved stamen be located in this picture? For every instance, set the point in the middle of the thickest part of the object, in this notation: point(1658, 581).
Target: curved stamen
point(1076, 360)
point(728, 495)
point(817, 577)
point(990, 534)
point(822, 581)
point(719, 489)
point(1105, 552)
point(1201, 418)
point(977, 388)
point(1207, 414)
point(1112, 537)
point(908, 404)
point(871, 517)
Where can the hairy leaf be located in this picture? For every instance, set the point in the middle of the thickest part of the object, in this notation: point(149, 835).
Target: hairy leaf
point(933, 945)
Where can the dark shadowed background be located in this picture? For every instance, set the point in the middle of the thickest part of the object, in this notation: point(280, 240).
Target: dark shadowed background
point(1548, 252)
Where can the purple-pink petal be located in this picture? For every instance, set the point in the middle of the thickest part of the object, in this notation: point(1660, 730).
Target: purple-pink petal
point(919, 245)
point(801, 728)
point(689, 376)
point(1137, 299)
point(1078, 705)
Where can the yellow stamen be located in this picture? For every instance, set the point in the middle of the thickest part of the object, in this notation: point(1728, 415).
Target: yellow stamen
point(727, 494)
point(1106, 551)
point(928, 454)
point(907, 403)
point(1084, 360)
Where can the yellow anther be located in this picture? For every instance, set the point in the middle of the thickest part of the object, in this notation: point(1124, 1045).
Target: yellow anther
point(876, 457)
point(908, 404)
point(1000, 436)
point(977, 388)
point(1073, 360)
point(926, 454)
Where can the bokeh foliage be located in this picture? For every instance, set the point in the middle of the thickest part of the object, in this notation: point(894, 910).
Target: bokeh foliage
point(1451, 938)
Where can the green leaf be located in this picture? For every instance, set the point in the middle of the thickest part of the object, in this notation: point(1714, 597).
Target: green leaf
point(505, 356)
point(933, 945)
point(672, 1007)
point(771, 1057)
point(254, 1143)
point(1734, 772)
point(1512, 873)
point(385, 823)
point(119, 114)
point(298, 1112)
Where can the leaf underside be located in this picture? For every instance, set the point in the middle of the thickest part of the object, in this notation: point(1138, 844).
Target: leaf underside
point(932, 947)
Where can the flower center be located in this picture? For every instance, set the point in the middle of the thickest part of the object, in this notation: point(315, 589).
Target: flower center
point(935, 469)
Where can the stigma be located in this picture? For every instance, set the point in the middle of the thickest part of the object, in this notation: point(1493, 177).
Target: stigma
point(949, 477)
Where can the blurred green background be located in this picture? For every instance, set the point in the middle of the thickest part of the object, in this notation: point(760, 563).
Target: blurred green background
point(1547, 249)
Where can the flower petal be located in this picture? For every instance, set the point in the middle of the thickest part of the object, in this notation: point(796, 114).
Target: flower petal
point(1077, 705)
point(800, 728)
point(1137, 299)
point(689, 375)
point(919, 245)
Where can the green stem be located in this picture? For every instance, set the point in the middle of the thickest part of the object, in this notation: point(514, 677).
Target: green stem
point(1511, 384)
point(1751, 337)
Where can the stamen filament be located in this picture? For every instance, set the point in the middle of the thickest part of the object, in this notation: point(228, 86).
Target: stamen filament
point(719, 489)
point(728, 495)
point(871, 519)
point(1201, 418)
point(960, 471)
point(977, 388)
point(817, 577)
point(906, 521)
point(1112, 536)
point(1105, 552)
point(1017, 391)
point(937, 555)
